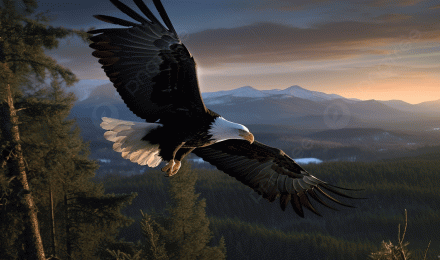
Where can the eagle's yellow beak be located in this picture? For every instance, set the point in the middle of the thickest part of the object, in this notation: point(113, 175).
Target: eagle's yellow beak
point(246, 136)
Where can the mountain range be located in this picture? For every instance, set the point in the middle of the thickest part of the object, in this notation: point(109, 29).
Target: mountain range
point(98, 89)
point(293, 106)
point(250, 92)
point(304, 123)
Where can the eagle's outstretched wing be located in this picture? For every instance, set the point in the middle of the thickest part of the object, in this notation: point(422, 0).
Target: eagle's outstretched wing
point(270, 172)
point(150, 68)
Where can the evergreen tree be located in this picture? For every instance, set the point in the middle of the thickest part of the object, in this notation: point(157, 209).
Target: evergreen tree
point(185, 233)
point(9, 129)
point(74, 214)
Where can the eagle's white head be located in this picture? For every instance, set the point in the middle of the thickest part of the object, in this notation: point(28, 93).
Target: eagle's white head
point(222, 129)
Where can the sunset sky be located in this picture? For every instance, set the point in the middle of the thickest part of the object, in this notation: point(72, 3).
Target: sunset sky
point(366, 49)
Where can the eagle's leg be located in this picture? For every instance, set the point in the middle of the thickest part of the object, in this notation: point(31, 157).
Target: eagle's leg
point(169, 154)
point(180, 154)
point(171, 168)
point(183, 152)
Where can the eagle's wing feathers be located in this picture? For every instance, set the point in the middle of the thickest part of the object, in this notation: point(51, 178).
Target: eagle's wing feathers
point(270, 172)
point(151, 69)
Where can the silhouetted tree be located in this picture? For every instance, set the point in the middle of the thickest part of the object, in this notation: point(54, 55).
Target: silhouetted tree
point(184, 233)
point(47, 160)
point(398, 251)
point(16, 168)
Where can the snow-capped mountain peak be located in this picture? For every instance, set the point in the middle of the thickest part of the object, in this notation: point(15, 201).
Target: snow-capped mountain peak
point(247, 91)
point(297, 91)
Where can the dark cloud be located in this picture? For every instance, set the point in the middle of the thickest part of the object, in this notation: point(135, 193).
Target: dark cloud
point(287, 5)
point(294, 5)
point(269, 42)
point(392, 18)
point(266, 42)
point(388, 3)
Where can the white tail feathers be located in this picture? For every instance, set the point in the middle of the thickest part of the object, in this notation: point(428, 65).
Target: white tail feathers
point(127, 137)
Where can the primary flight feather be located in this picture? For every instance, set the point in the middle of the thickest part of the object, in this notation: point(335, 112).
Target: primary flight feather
point(155, 75)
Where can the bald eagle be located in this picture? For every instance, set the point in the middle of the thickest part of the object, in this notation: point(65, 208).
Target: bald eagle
point(155, 75)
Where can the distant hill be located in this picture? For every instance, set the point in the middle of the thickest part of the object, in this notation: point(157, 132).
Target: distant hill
point(293, 106)
point(250, 92)
point(352, 133)
point(376, 110)
point(399, 104)
point(429, 107)
point(238, 92)
point(316, 125)
point(83, 88)
point(297, 91)
point(102, 93)
point(91, 91)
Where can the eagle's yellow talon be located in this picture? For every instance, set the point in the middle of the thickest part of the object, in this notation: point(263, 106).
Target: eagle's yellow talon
point(171, 168)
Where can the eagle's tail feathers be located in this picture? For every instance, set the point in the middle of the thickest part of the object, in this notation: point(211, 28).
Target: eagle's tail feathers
point(127, 137)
